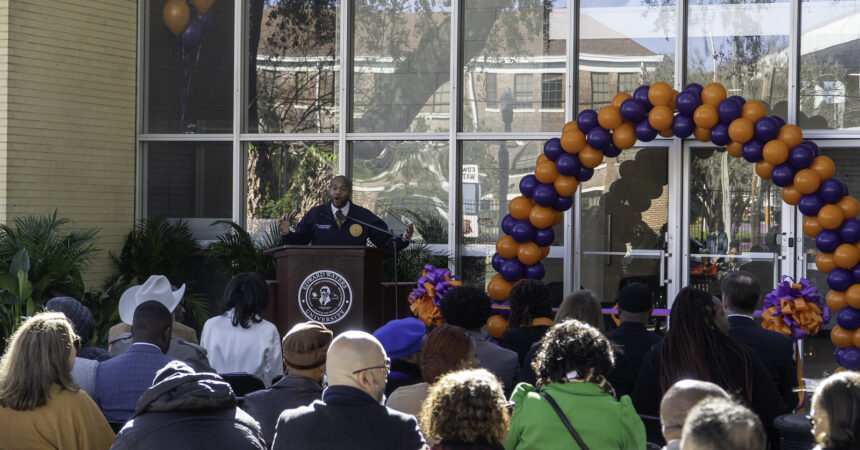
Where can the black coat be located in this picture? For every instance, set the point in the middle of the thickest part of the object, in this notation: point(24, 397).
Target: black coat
point(631, 341)
point(775, 350)
point(318, 227)
point(288, 393)
point(521, 339)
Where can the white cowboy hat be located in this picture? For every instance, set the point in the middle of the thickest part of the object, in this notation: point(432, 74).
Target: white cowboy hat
point(157, 288)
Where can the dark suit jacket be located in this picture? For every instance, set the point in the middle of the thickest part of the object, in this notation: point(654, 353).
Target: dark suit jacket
point(122, 380)
point(288, 393)
point(500, 361)
point(775, 350)
point(631, 341)
point(318, 227)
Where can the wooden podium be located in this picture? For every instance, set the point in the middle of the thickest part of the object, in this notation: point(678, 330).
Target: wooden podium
point(336, 285)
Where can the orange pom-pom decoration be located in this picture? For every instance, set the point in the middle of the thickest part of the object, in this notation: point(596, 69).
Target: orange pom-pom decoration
point(775, 152)
point(619, 98)
point(546, 172)
point(496, 325)
point(660, 117)
point(507, 247)
point(499, 288)
point(565, 186)
point(763, 169)
point(849, 206)
point(702, 134)
point(713, 94)
point(852, 296)
point(609, 117)
point(528, 253)
point(660, 94)
point(830, 217)
point(589, 157)
point(541, 216)
point(841, 337)
point(520, 207)
point(825, 262)
point(753, 110)
point(572, 140)
point(823, 166)
point(811, 228)
point(791, 135)
point(806, 181)
point(705, 116)
point(846, 256)
point(835, 300)
point(735, 149)
point(624, 136)
point(790, 195)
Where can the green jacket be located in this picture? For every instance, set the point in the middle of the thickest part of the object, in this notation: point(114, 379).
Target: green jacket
point(601, 421)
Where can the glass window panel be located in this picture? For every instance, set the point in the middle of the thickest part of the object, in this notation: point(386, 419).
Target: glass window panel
point(742, 44)
point(502, 42)
point(295, 58)
point(189, 78)
point(734, 220)
point(552, 92)
point(630, 43)
point(402, 59)
point(829, 68)
point(189, 179)
point(524, 90)
point(404, 181)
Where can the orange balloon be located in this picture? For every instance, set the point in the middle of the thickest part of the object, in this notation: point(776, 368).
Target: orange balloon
point(806, 181)
point(825, 262)
point(557, 217)
point(499, 288)
point(507, 247)
point(672, 104)
point(519, 207)
point(852, 296)
point(619, 98)
point(541, 216)
point(823, 166)
point(706, 116)
point(753, 110)
point(202, 5)
point(735, 149)
point(660, 117)
point(496, 325)
point(176, 15)
point(763, 169)
point(790, 195)
point(856, 339)
point(811, 228)
point(541, 158)
point(667, 132)
point(609, 117)
point(830, 217)
point(846, 256)
point(713, 94)
point(544, 251)
point(624, 136)
point(835, 300)
point(791, 135)
point(546, 172)
point(702, 134)
point(849, 206)
point(570, 126)
point(841, 337)
point(741, 130)
point(589, 157)
point(660, 94)
point(775, 152)
point(565, 186)
point(572, 141)
point(528, 253)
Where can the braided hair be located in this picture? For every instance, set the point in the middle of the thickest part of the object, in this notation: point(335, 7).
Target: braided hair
point(694, 347)
point(529, 300)
point(574, 346)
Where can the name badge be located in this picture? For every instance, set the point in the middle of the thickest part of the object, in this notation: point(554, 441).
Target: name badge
point(323, 226)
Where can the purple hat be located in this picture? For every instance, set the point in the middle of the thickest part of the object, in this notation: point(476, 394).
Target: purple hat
point(81, 317)
point(401, 337)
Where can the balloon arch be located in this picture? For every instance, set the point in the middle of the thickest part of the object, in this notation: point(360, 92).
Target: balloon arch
point(743, 127)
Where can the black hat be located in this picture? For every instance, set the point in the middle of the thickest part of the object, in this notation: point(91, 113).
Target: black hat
point(635, 298)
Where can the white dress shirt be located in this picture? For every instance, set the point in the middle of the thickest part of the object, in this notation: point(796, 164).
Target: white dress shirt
point(345, 209)
point(255, 350)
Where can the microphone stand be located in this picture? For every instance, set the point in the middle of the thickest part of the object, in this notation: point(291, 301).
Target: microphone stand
point(395, 237)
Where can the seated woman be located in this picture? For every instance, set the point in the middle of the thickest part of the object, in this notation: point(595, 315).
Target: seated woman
point(240, 340)
point(40, 405)
point(835, 413)
point(473, 397)
point(571, 367)
point(531, 316)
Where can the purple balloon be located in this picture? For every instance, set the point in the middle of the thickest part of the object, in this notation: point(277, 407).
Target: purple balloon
point(752, 151)
point(535, 271)
point(528, 184)
point(800, 156)
point(779, 120)
point(809, 204)
point(567, 164)
point(552, 149)
point(838, 355)
point(729, 110)
point(193, 32)
point(584, 174)
point(720, 133)
point(738, 99)
point(611, 151)
point(497, 262)
point(563, 203)
point(205, 19)
point(851, 358)
point(849, 231)
point(545, 195)
point(644, 132)
point(641, 94)
point(695, 88)
point(544, 236)
point(632, 110)
point(683, 126)
point(687, 102)
point(508, 224)
point(783, 175)
point(813, 146)
point(831, 190)
point(848, 318)
point(855, 273)
point(766, 129)
point(586, 120)
point(839, 279)
point(522, 231)
point(512, 269)
point(598, 138)
point(827, 240)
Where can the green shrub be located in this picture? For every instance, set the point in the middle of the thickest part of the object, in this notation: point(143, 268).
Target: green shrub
point(237, 251)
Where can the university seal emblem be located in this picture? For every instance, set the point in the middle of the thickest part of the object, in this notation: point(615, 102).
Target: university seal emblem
point(325, 296)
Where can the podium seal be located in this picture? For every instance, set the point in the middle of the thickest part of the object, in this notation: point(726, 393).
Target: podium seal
point(325, 296)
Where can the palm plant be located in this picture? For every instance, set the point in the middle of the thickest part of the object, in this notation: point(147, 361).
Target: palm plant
point(238, 252)
point(157, 247)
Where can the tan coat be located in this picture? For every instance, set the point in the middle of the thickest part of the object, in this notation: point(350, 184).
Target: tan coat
point(180, 330)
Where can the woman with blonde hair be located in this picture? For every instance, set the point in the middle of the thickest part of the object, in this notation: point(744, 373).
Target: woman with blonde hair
point(40, 405)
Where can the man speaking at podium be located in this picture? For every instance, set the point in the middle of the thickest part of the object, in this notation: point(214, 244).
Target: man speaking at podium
point(332, 224)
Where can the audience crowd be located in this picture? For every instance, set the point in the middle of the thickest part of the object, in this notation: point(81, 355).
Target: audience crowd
point(715, 380)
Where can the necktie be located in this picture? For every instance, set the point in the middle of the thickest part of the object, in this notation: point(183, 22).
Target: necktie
point(337, 218)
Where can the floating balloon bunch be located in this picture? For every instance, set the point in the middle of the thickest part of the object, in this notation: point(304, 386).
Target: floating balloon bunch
point(709, 114)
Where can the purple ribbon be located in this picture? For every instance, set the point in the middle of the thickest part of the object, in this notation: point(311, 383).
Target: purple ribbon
point(809, 293)
point(439, 278)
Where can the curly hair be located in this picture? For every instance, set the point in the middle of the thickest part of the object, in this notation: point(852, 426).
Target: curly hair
point(248, 294)
point(445, 349)
point(466, 306)
point(529, 300)
point(466, 407)
point(574, 346)
point(839, 397)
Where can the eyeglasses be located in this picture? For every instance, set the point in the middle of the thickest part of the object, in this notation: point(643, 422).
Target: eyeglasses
point(387, 367)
